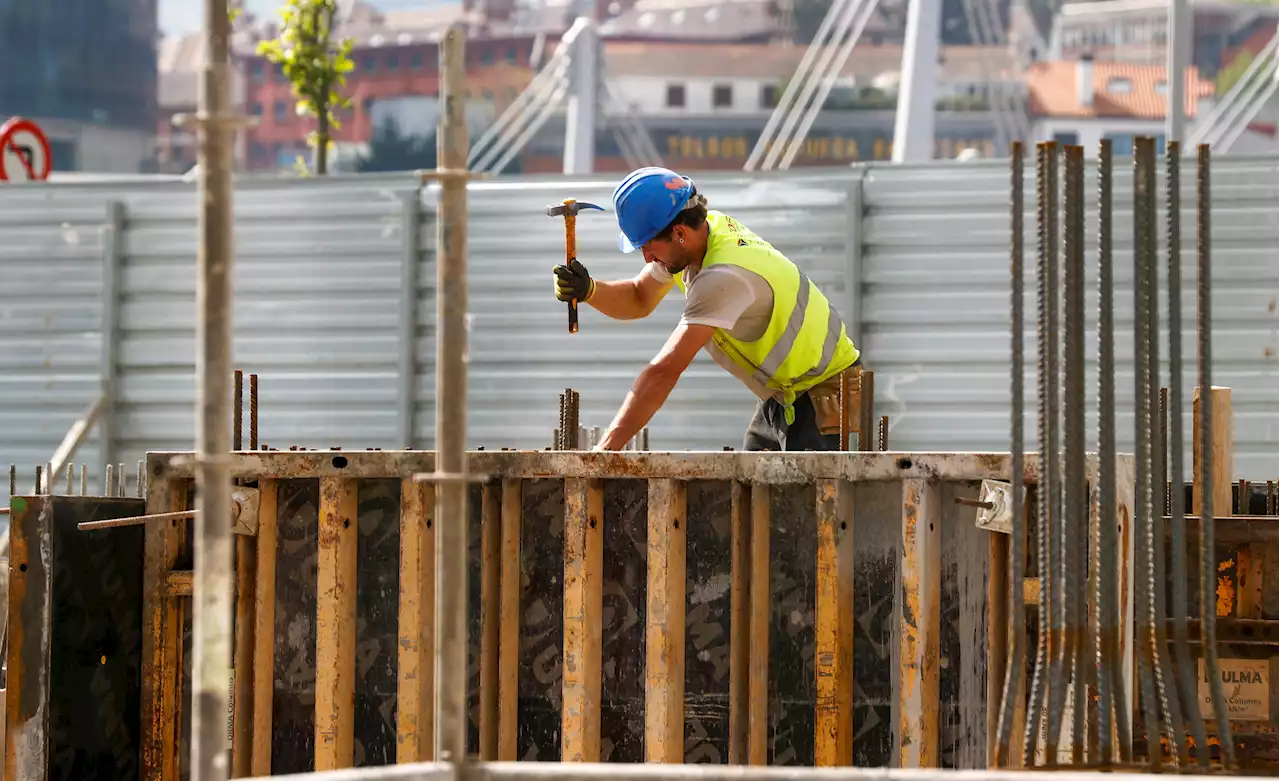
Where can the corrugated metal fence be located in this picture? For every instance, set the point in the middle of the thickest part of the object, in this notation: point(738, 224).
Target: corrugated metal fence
point(334, 307)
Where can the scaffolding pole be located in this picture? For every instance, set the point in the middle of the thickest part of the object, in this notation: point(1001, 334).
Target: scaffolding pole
point(212, 617)
point(451, 406)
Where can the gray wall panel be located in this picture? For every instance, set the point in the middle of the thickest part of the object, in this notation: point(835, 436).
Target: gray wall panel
point(321, 297)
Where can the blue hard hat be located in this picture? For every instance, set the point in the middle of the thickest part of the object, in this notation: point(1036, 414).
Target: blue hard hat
point(647, 201)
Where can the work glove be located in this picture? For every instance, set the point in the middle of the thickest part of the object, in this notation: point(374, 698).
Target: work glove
point(574, 281)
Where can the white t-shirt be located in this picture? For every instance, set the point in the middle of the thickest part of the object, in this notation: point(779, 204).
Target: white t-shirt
point(728, 297)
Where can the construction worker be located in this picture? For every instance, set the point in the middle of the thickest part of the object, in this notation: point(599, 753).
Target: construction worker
point(750, 307)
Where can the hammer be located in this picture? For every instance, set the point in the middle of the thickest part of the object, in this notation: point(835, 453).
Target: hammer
point(569, 209)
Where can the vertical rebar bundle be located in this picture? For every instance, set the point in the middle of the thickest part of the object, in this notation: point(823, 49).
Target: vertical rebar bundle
point(1078, 666)
point(1175, 497)
point(568, 436)
point(1155, 700)
point(1075, 516)
point(1113, 700)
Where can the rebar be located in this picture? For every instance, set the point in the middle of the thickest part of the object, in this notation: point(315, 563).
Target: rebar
point(13, 480)
point(1075, 520)
point(1112, 699)
point(884, 433)
point(451, 407)
point(867, 423)
point(253, 412)
point(1052, 468)
point(1012, 693)
point(1176, 499)
point(1039, 683)
point(1144, 559)
point(1163, 468)
point(142, 466)
point(84, 479)
point(561, 438)
point(1170, 708)
point(108, 482)
point(71, 478)
point(124, 480)
point(237, 413)
point(39, 472)
point(1208, 562)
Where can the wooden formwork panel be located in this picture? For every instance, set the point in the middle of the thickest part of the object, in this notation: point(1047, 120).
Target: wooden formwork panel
point(785, 645)
point(859, 720)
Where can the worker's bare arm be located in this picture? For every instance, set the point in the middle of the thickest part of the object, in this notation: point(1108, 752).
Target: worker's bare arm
point(655, 383)
point(629, 299)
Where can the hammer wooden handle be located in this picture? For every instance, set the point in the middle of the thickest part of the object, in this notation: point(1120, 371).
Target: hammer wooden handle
point(570, 253)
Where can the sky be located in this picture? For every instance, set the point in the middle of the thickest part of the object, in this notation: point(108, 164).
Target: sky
point(185, 16)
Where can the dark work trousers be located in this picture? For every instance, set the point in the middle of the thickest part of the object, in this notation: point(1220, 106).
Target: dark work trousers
point(769, 429)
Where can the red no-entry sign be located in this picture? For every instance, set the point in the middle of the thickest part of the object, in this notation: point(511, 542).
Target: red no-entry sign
point(24, 152)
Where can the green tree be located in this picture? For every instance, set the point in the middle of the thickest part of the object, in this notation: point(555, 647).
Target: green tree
point(316, 66)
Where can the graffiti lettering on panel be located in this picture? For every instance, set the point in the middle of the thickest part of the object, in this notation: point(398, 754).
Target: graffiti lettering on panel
point(541, 620)
point(297, 562)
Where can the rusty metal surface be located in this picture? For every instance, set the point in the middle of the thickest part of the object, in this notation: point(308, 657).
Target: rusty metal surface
point(769, 468)
point(30, 636)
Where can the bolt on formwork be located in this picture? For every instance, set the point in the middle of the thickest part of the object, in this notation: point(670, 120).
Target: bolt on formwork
point(1078, 712)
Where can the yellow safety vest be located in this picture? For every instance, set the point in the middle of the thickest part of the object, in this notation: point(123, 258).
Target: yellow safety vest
point(805, 342)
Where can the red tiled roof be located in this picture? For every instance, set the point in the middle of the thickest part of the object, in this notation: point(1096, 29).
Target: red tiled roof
point(1052, 90)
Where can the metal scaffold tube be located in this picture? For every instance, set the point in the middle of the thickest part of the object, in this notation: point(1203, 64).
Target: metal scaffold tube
point(451, 407)
point(212, 588)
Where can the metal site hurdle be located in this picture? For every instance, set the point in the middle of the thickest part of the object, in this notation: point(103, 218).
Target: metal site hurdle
point(907, 500)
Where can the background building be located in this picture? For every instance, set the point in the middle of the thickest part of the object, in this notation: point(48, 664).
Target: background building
point(86, 71)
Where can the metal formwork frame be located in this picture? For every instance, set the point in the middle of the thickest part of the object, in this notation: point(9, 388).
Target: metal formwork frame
point(752, 475)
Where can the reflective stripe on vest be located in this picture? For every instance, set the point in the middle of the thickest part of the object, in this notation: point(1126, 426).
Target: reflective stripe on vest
point(732, 244)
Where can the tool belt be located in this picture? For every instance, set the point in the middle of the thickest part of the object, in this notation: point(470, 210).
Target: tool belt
point(826, 401)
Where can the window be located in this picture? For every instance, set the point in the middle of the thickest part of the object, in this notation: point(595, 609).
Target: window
point(415, 61)
point(1119, 86)
point(769, 96)
point(393, 61)
point(722, 95)
point(1162, 87)
point(368, 64)
point(675, 96)
point(368, 105)
point(256, 109)
point(1121, 144)
point(486, 57)
point(1067, 139)
point(280, 111)
point(487, 96)
point(512, 56)
point(258, 70)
